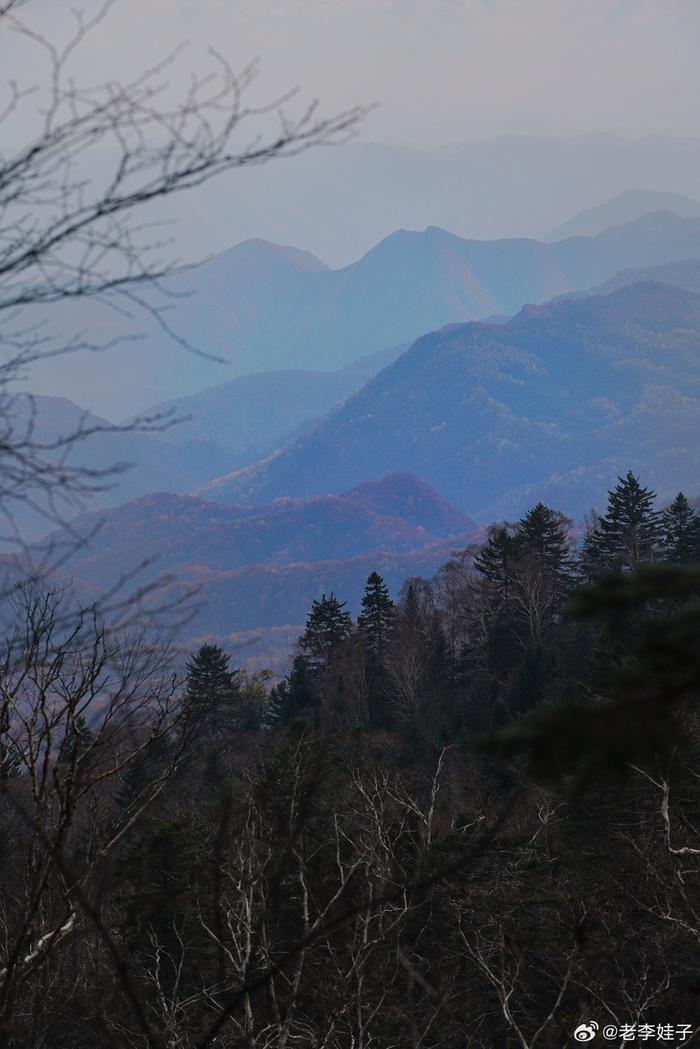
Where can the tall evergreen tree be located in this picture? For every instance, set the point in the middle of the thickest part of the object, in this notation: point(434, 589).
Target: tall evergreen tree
point(498, 557)
point(588, 560)
point(210, 692)
point(680, 532)
point(376, 624)
point(543, 534)
point(629, 533)
point(328, 624)
point(378, 615)
point(294, 696)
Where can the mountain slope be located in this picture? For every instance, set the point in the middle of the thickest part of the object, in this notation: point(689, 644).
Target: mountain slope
point(625, 207)
point(261, 307)
point(398, 514)
point(261, 567)
point(489, 413)
point(219, 429)
point(246, 418)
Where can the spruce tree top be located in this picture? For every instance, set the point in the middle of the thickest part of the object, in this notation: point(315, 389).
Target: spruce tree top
point(378, 612)
point(544, 534)
point(210, 688)
point(498, 555)
point(327, 625)
point(629, 533)
point(680, 528)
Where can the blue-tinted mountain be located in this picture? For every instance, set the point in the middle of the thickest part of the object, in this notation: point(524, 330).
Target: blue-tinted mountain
point(246, 418)
point(339, 202)
point(199, 437)
point(625, 207)
point(261, 307)
point(262, 566)
point(683, 274)
point(549, 405)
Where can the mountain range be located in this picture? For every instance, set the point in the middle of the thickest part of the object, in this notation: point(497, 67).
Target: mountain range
point(188, 441)
point(550, 405)
point(337, 203)
point(625, 207)
point(262, 307)
point(261, 567)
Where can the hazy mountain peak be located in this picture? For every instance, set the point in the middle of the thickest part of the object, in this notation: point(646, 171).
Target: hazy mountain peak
point(256, 250)
point(624, 208)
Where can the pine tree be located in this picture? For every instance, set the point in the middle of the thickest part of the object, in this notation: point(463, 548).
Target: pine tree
point(680, 531)
point(293, 697)
point(376, 624)
point(629, 533)
point(543, 534)
point(210, 692)
point(498, 557)
point(327, 626)
point(588, 560)
point(378, 616)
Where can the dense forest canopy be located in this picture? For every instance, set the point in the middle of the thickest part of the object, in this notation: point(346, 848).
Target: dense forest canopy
point(470, 813)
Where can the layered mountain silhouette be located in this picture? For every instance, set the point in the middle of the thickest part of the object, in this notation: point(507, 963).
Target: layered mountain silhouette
point(261, 567)
point(337, 203)
point(682, 274)
point(187, 441)
point(262, 307)
point(550, 405)
point(625, 207)
point(246, 418)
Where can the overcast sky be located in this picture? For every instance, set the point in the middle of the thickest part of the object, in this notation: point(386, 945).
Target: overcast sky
point(442, 69)
point(441, 72)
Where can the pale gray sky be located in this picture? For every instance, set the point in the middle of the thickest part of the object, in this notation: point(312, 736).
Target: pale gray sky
point(441, 69)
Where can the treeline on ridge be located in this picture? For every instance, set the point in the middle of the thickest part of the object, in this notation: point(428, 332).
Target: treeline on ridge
point(466, 818)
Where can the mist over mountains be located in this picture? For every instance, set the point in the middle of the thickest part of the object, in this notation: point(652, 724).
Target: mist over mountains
point(262, 307)
point(549, 405)
point(625, 207)
point(283, 482)
point(186, 442)
point(337, 203)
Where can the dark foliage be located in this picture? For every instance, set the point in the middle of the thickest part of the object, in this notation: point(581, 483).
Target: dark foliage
point(469, 814)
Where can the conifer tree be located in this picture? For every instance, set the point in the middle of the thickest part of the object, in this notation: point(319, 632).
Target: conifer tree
point(376, 624)
point(210, 692)
point(498, 557)
point(378, 615)
point(292, 697)
point(629, 533)
point(543, 534)
point(327, 626)
point(680, 532)
point(588, 561)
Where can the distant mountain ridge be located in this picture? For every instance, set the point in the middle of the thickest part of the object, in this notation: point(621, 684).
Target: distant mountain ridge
point(683, 274)
point(246, 418)
point(262, 307)
point(271, 561)
point(220, 429)
point(625, 207)
point(549, 405)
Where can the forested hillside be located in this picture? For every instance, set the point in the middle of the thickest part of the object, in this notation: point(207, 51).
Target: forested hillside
point(467, 810)
point(495, 416)
point(260, 566)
